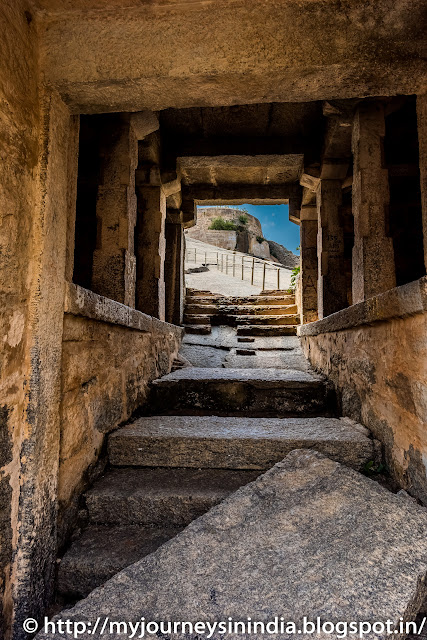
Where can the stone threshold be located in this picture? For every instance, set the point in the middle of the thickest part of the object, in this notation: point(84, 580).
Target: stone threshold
point(83, 302)
point(400, 302)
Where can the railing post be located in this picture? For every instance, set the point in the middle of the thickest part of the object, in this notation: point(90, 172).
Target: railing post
point(278, 278)
point(242, 269)
point(217, 263)
point(263, 277)
point(253, 270)
point(206, 258)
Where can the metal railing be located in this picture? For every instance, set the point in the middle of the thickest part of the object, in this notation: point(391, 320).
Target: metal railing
point(239, 266)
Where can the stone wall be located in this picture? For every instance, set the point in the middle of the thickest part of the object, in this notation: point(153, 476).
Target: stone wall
point(375, 353)
point(245, 239)
point(110, 354)
point(259, 249)
point(19, 133)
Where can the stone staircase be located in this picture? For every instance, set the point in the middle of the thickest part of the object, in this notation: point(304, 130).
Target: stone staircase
point(210, 432)
point(271, 313)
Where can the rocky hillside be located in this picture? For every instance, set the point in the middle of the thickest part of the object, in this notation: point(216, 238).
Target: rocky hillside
point(283, 255)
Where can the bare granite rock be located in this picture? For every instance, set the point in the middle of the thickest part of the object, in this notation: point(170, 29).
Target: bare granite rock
point(308, 538)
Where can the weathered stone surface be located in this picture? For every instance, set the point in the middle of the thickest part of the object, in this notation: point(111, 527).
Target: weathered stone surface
point(101, 552)
point(265, 331)
point(240, 391)
point(227, 337)
point(234, 443)
point(168, 497)
point(106, 370)
point(204, 356)
point(294, 57)
point(398, 303)
point(267, 360)
point(383, 387)
point(317, 538)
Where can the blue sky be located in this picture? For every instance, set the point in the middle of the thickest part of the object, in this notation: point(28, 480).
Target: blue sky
point(275, 223)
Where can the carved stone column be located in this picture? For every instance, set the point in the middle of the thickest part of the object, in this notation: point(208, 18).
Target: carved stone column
point(331, 287)
point(174, 268)
point(113, 271)
point(373, 255)
point(309, 265)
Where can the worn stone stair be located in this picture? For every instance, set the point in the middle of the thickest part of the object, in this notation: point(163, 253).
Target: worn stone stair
point(166, 470)
point(226, 391)
point(212, 442)
point(275, 309)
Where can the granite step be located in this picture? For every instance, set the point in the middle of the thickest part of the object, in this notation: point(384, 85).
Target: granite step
point(199, 329)
point(160, 496)
point(244, 309)
point(251, 392)
point(212, 442)
point(266, 331)
point(101, 552)
point(271, 359)
point(274, 320)
point(308, 539)
point(215, 299)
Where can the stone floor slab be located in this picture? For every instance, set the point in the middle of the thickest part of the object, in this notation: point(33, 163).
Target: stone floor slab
point(308, 538)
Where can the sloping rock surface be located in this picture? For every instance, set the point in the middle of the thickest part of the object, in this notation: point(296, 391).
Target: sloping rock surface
point(308, 538)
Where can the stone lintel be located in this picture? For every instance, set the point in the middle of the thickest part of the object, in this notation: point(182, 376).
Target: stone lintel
point(85, 303)
point(231, 193)
point(400, 302)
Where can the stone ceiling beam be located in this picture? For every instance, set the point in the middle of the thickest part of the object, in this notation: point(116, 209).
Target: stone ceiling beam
point(104, 57)
point(238, 193)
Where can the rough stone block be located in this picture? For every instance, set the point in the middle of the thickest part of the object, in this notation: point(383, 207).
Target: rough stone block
point(314, 537)
point(168, 497)
point(235, 443)
point(240, 391)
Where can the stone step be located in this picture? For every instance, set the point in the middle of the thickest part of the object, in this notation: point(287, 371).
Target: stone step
point(212, 442)
point(101, 552)
point(161, 496)
point(253, 392)
point(249, 300)
point(310, 538)
point(266, 331)
point(266, 360)
point(200, 329)
point(193, 319)
point(268, 319)
point(211, 309)
point(233, 320)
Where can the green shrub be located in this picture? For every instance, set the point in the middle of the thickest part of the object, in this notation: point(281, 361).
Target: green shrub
point(260, 239)
point(243, 219)
point(294, 276)
point(219, 224)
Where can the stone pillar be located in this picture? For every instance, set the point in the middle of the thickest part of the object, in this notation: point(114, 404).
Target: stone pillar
point(331, 286)
point(422, 145)
point(113, 272)
point(150, 249)
point(308, 263)
point(373, 255)
point(174, 270)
